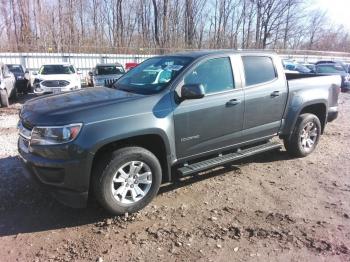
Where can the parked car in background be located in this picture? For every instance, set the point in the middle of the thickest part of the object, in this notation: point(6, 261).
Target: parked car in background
point(348, 67)
point(335, 62)
point(105, 75)
point(170, 117)
point(22, 77)
point(291, 66)
point(335, 69)
point(7, 85)
point(130, 65)
point(89, 81)
point(56, 78)
point(310, 66)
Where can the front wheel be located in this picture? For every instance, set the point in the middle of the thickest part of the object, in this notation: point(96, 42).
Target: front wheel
point(4, 98)
point(305, 136)
point(129, 181)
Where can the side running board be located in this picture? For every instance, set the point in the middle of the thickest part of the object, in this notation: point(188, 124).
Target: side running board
point(227, 158)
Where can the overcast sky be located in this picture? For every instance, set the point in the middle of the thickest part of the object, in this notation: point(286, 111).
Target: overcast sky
point(337, 10)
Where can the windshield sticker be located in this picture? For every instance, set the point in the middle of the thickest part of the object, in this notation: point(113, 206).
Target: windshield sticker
point(173, 67)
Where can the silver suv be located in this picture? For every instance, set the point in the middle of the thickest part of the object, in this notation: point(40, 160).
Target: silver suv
point(104, 75)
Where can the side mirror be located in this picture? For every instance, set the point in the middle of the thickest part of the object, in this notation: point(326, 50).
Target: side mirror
point(90, 73)
point(34, 73)
point(192, 91)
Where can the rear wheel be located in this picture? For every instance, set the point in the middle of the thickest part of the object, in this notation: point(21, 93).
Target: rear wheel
point(28, 88)
point(305, 136)
point(4, 98)
point(129, 181)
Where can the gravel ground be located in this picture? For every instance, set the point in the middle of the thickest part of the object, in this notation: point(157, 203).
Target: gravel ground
point(265, 208)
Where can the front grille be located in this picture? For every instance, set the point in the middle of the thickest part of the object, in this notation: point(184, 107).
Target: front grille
point(24, 131)
point(110, 82)
point(55, 83)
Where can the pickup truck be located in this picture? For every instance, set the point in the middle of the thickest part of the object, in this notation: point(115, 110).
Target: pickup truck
point(210, 108)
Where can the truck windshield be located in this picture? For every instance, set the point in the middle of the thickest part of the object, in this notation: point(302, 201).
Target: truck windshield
point(109, 70)
point(56, 70)
point(15, 68)
point(153, 75)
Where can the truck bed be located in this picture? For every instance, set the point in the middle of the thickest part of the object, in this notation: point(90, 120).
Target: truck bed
point(315, 83)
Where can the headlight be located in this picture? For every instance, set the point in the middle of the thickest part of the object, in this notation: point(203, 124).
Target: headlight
point(37, 80)
point(55, 134)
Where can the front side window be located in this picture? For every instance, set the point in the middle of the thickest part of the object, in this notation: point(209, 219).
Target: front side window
point(214, 74)
point(258, 69)
point(153, 75)
point(56, 70)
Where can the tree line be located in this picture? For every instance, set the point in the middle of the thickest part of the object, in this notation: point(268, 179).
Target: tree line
point(162, 25)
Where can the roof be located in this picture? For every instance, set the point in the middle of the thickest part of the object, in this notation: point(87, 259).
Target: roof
point(58, 63)
point(109, 64)
point(200, 53)
point(329, 64)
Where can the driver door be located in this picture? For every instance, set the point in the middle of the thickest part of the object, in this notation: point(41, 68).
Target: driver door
point(216, 120)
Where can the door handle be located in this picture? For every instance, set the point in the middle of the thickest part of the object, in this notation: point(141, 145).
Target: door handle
point(275, 93)
point(233, 102)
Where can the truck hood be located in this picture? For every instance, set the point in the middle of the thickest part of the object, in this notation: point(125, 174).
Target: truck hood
point(82, 106)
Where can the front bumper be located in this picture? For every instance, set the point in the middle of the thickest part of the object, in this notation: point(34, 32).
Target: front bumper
point(332, 113)
point(67, 180)
point(41, 89)
point(21, 85)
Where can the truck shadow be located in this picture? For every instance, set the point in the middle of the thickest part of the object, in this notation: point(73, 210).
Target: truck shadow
point(267, 157)
point(25, 208)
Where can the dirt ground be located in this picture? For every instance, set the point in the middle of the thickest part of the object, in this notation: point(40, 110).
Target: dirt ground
point(265, 208)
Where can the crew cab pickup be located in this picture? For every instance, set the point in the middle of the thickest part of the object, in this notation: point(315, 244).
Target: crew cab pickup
point(207, 109)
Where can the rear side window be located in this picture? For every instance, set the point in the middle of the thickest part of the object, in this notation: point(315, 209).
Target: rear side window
point(258, 69)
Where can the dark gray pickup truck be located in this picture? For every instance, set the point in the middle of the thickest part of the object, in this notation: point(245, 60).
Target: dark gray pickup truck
point(171, 116)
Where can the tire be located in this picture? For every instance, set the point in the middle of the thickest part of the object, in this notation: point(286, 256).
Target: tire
point(305, 136)
point(14, 94)
point(110, 194)
point(4, 98)
point(28, 88)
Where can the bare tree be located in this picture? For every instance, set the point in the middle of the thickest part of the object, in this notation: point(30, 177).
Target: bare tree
point(117, 25)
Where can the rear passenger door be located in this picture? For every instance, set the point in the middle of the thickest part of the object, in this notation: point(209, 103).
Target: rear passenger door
point(265, 96)
point(214, 121)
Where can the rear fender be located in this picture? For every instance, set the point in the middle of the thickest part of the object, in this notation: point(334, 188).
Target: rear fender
point(297, 107)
